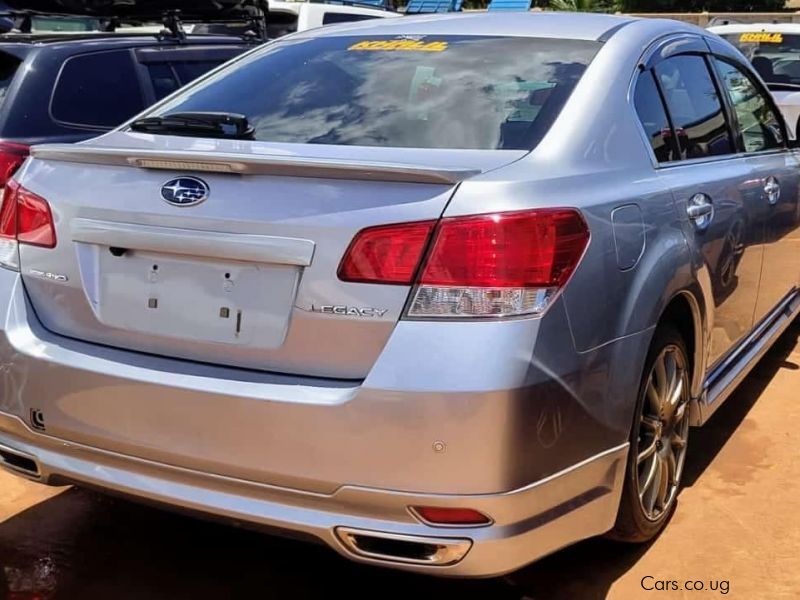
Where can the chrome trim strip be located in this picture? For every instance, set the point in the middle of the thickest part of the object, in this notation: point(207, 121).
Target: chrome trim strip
point(243, 164)
point(724, 379)
point(232, 246)
point(719, 370)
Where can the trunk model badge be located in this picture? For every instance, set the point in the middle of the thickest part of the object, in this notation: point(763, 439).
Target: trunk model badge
point(46, 275)
point(350, 311)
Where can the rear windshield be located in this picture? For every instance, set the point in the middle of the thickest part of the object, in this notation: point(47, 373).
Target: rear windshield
point(412, 92)
point(8, 68)
point(776, 56)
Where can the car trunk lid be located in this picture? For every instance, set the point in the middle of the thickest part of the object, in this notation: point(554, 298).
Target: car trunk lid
point(246, 278)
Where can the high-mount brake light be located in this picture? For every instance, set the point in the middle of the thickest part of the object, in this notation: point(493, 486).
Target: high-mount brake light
point(492, 265)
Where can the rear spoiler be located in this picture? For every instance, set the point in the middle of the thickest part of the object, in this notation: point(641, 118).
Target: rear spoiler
point(249, 164)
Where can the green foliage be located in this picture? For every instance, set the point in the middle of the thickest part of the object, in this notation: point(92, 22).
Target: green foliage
point(694, 5)
point(588, 5)
point(644, 6)
point(664, 5)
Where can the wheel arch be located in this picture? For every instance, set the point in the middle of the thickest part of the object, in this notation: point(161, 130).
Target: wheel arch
point(686, 311)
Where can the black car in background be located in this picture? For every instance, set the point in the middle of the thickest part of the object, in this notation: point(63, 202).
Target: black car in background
point(71, 86)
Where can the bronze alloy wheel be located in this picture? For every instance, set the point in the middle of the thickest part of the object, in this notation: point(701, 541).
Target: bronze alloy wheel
point(663, 432)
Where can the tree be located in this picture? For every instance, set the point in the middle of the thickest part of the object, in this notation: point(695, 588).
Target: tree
point(588, 5)
point(701, 5)
point(645, 6)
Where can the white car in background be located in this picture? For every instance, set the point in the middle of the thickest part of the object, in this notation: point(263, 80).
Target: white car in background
point(288, 17)
point(774, 50)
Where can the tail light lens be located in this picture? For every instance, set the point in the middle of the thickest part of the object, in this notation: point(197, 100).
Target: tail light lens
point(386, 254)
point(25, 218)
point(11, 158)
point(493, 265)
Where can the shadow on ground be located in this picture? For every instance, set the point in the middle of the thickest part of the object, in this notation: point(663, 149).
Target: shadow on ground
point(85, 545)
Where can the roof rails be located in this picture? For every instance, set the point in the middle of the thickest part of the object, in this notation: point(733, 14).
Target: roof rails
point(417, 7)
point(254, 12)
point(378, 4)
point(509, 5)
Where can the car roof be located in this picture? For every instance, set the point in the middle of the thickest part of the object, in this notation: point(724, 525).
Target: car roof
point(576, 26)
point(754, 27)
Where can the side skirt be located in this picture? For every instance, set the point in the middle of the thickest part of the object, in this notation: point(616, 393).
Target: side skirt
point(725, 377)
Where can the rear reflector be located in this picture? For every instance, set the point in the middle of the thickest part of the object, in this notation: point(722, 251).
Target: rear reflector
point(11, 158)
point(436, 515)
point(387, 254)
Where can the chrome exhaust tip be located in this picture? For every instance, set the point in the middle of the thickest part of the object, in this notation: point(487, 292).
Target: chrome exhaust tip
point(408, 549)
point(19, 462)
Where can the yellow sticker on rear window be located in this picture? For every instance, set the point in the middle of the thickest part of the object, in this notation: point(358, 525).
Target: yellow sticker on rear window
point(402, 45)
point(761, 37)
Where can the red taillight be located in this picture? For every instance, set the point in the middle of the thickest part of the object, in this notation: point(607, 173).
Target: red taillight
point(437, 515)
point(386, 254)
point(538, 248)
point(8, 211)
point(492, 265)
point(11, 158)
point(26, 217)
point(34, 220)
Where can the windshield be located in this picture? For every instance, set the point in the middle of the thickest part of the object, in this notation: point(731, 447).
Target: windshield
point(413, 92)
point(776, 56)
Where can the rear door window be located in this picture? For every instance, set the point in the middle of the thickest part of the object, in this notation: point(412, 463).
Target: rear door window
point(654, 119)
point(756, 119)
point(339, 17)
point(163, 78)
point(188, 71)
point(468, 92)
point(695, 106)
point(170, 76)
point(8, 68)
point(99, 90)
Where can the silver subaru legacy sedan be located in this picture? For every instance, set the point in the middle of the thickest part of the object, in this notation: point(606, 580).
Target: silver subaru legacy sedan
point(445, 293)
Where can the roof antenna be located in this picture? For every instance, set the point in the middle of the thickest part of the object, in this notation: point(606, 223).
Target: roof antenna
point(173, 26)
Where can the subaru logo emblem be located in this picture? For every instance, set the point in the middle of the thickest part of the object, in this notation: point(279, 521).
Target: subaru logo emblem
point(184, 191)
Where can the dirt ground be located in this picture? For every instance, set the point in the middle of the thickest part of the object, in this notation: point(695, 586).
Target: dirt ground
point(736, 529)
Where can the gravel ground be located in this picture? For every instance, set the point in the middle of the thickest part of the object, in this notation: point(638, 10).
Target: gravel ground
point(735, 529)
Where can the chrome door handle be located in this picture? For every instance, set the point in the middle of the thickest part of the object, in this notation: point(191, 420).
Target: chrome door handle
point(772, 190)
point(700, 210)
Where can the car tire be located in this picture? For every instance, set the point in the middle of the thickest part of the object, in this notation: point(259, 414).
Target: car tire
point(658, 440)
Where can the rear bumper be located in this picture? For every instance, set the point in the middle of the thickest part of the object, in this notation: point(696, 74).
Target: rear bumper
point(472, 419)
point(528, 523)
